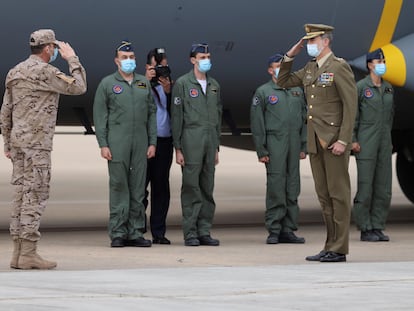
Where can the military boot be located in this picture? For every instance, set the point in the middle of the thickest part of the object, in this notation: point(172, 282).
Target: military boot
point(30, 259)
point(16, 252)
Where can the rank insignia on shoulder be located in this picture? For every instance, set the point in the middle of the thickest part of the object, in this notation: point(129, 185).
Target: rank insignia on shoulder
point(368, 93)
point(389, 90)
point(273, 99)
point(193, 93)
point(296, 93)
point(214, 91)
point(65, 78)
point(141, 85)
point(177, 101)
point(117, 89)
point(256, 101)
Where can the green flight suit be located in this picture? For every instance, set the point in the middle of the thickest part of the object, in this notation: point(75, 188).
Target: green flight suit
point(125, 121)
point(278, 126)
point(373, 132)
point(196, 128)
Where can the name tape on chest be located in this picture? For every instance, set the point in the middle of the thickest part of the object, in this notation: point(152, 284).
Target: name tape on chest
point(141, 85)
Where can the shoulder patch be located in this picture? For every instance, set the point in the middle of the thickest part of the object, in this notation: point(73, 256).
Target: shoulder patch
point(256, 101)
point(177, 101)
point(65, 78)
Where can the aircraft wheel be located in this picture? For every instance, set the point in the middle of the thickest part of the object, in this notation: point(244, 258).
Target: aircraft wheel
point(405, 174)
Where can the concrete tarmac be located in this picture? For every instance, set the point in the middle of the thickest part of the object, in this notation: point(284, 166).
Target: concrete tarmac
point(243, 273)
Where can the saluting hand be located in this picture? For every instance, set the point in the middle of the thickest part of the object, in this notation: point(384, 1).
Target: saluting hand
point(295, 50)
point(66, 50)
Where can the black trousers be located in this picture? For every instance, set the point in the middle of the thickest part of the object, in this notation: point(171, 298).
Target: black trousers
point(158, 175)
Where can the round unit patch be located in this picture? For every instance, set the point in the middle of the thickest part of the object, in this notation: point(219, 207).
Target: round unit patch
point(194, 93)
point(273, 99)
point(368, 93)
point(117, 89)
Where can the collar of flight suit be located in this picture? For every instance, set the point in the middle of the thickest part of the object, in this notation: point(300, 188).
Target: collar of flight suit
point(193, 78)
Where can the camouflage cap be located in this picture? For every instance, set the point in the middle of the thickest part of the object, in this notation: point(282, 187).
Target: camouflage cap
point(315, 30)
point(43, 36)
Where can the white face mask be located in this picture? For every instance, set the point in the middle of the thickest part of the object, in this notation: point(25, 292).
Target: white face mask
point(313, 49)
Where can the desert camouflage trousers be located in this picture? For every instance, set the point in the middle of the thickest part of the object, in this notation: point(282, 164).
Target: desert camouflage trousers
point(31, 178)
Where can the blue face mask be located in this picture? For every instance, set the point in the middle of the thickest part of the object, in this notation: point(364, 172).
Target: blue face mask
point(128, 65)
point(276, 72)
point(54, 56)
point(380, 69)
point(204, 65)
point(313, 50)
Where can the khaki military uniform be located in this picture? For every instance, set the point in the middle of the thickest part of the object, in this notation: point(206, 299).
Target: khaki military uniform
point(331, 96)
point(28, 118)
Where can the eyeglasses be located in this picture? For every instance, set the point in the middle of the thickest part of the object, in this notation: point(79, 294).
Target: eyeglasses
point(199, 47)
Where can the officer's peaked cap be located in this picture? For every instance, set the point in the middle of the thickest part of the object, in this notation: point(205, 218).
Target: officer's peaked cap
point(315, 30)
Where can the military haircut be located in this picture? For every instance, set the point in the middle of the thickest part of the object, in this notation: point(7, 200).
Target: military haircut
point(328, 35)
point(36, 50)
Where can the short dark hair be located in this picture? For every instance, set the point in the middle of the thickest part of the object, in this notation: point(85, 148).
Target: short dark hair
point(158, 54)
point(36, 50)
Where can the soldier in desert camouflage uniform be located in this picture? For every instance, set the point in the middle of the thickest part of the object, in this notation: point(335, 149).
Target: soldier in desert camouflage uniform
point(28, 118)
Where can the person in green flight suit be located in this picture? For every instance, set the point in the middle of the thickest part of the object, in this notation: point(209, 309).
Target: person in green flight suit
point(124, 113)
point(331, 96)
point(196, 127)
point(372, 147)
point(277, 121)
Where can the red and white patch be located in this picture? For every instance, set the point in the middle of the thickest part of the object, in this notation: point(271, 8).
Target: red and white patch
point(117, 89)
point(193, 93)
